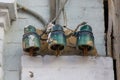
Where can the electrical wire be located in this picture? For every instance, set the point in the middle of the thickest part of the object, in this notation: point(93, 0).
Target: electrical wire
point(59, 12)
point(64, 17)
point(57, 16)
point(73, 32)
point(83, 23)
point(52, 9)
point(36, 15)
point(40, 18)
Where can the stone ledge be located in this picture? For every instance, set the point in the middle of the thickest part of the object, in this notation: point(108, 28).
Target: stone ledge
point(67, 68)
point(64, 61)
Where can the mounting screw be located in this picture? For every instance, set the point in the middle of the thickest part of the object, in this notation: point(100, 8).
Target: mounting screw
point(31, 74)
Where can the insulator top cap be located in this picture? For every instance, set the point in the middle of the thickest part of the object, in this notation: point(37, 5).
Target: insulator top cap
point(57, 27)
point(29, 29)
point(86, 28)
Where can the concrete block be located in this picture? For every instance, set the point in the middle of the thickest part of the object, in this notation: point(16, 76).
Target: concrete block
point(4, 19)
point(67, 68)
point(11, 6)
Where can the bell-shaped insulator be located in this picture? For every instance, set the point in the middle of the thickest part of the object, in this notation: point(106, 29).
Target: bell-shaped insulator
point(85, 38)
point(57, 39)
point(31, 40)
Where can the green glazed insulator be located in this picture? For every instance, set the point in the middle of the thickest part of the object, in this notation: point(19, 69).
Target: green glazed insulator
point(31, 40)
point(58, 38)
point(86, 28)
point(29, 29)
point(85, 38)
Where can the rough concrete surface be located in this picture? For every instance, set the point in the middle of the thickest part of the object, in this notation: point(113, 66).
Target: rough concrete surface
point(67, 68)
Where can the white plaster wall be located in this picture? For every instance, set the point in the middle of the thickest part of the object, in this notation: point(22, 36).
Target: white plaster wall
point(77, 11)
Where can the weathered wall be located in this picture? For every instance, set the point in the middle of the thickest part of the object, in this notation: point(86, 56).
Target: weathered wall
point(77, 11)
